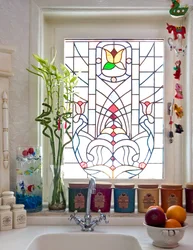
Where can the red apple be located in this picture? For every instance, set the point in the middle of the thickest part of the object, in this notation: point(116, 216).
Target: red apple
point(155, 217)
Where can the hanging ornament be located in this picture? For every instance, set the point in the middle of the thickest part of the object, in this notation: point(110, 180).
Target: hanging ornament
point(177, 68)
point(179, 111)
point(179, 128)
point(178, 31)
point(177, 10)
point(170, 113)
point(177, 45)
point(178, 89)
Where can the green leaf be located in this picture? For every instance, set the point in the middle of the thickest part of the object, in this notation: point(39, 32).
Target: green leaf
point(34, 73)
point(73, 79)
point(54, 67)
point(40, 60)
point(109, 66)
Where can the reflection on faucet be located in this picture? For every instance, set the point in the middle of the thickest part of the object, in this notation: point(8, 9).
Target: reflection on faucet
point(87, 224)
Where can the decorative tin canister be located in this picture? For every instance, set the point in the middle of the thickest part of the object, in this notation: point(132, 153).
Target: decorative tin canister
point(101, 200)
point(124, 198)
point(171, 194)
point(77, 195)
point(189, 197)
point(147, 195)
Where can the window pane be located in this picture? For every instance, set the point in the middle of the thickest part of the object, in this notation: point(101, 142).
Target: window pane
point(118, 117)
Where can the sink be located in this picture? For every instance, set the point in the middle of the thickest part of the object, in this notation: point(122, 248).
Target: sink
point(85, 241)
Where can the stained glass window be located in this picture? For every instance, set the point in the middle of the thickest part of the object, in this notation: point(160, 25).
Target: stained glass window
point(118, 117)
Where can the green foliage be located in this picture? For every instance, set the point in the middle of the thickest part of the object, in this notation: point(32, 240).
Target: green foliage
point(57, 108)
point(58, 103)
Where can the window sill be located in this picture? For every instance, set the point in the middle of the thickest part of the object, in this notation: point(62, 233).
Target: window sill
point(46, 217)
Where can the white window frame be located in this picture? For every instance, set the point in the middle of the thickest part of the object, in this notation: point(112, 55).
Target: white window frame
point(180, 170)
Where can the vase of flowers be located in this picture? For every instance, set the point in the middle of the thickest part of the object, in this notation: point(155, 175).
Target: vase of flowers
point(55, 118)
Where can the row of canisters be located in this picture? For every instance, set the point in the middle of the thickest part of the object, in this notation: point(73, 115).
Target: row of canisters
point(125, 195)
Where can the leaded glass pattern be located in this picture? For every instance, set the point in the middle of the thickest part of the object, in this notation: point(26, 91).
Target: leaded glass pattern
point(118, 117)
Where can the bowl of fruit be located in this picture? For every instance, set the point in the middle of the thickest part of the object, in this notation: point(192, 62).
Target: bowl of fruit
point(165, 229)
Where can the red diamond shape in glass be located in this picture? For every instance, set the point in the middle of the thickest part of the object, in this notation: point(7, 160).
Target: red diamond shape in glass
point(113, 134)
point(113, 52)
point(113, 143)
point(112, 168)
point(113, 116)
point(113, 126)
point(113, 108)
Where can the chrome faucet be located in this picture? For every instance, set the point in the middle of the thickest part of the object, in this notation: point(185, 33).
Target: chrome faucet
point(87, 224)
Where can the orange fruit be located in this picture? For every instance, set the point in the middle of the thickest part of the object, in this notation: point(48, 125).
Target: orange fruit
point(176, 212)
point(155, 206)
point(172, 223)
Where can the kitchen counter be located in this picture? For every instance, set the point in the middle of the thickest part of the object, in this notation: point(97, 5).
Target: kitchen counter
point(19, 239)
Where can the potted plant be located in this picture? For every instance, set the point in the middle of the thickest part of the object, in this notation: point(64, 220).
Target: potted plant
point(55, 118)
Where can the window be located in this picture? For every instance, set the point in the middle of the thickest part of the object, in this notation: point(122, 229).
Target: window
point(76, 36)
point(118, 118)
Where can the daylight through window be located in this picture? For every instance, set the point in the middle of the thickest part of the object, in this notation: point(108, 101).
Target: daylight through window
point(118, 116)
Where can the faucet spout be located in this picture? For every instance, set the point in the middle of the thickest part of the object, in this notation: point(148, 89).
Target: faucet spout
point(91, 190)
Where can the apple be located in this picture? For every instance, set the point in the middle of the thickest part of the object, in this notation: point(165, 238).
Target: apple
point(155, 217)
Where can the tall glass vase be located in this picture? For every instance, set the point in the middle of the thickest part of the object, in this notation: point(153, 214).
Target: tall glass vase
point(57, 200)
point(29, 178)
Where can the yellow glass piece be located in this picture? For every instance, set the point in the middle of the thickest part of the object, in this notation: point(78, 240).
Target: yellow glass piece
point(107, 131)
point(118, 56)
point(109, 56)
point(115, 59)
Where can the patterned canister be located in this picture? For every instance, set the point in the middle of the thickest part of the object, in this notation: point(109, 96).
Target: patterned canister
point(5, 218)
point(189, 197)
point(171, 194)
point(124, 198)
point(19, 216)
point(8, 198)
point(147, 195)
point(101, 200)
point(77, 195)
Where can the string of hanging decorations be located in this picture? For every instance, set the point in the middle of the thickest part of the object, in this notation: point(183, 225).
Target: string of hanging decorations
point(177, 44)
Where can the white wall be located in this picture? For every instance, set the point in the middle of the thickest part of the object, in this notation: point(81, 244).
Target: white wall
point(14, 31)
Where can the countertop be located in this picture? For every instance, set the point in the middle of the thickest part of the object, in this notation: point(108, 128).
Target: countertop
point(19, 239)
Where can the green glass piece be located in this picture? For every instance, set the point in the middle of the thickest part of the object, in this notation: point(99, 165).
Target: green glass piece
point(109, 66)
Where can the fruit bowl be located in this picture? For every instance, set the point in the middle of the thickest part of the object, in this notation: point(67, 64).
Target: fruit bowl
point(165, 237)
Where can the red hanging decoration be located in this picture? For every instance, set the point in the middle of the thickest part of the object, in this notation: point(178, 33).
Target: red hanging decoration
point(177, 68)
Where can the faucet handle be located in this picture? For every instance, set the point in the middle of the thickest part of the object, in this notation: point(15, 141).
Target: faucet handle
point(102, 217)
point(72, 216)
